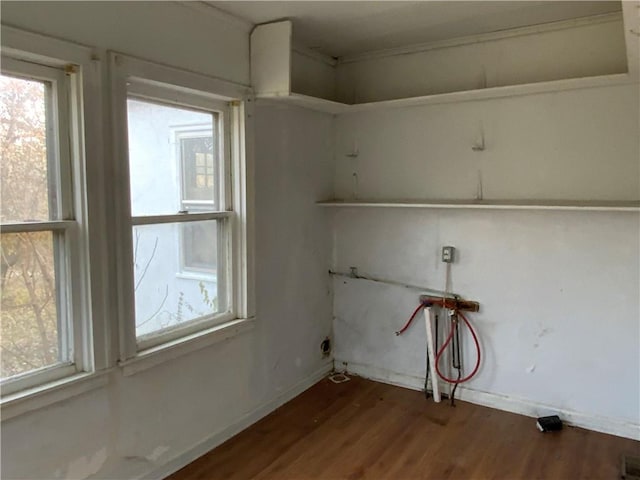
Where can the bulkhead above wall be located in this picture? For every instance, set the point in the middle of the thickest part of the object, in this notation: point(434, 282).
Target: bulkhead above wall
point(463, 47)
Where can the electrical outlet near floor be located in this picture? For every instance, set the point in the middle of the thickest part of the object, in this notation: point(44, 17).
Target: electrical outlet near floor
point(325, 347)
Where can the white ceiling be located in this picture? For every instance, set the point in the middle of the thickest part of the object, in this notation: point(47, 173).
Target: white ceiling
point(339, 28)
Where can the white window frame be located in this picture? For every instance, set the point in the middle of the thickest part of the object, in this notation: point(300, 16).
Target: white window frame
point(131, 77)
point(75, 75)
point(223, 215)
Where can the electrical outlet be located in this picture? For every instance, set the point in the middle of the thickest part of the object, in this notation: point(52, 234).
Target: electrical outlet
point(325, 347)
point(448, 254)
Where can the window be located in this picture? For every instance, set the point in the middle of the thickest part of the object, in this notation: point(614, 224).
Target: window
point(199, 170)
point(179, 215)
point(183, 236)
point(197, 152)
point(168, 211)
point(42, 323)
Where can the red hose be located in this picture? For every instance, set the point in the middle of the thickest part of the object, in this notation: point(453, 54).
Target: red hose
point(444, 346)
point(413, 315)
point(415, 312)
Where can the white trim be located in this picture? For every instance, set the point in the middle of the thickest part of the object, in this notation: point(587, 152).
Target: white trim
point(27, 70)
point(122, 234)
point(236, 426)
point(91, 169)
point(507, 403)
point(178, 332)
point(38, 48)
point(242, 268)
point(50, 393)
point(37, 377)
point(155, 74)
point(484, 37)
point(185, 344)
point(179, 218)
point(592, 206)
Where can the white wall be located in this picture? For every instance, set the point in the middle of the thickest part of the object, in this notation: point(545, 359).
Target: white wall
point(164, 32)
point(573, 145)
point(559, 291)
point(157, 419)
point(582, 51)
point(294, 159)
point(311, 76)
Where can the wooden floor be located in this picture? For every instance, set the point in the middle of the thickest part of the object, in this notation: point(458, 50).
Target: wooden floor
point(363, 429)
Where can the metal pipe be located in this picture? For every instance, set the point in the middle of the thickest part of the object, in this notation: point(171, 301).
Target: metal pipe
point(368, 278)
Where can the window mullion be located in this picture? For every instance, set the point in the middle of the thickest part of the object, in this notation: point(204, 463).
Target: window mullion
point(122, 226)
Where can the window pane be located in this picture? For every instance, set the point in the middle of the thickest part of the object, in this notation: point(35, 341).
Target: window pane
point(196, 158)
point(166, 293)
point(24, 174)
point(199, 255)
point(173, 158)
point(29, 322)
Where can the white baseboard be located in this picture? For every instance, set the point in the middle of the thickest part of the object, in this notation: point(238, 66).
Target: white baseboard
point(612, 426)
point(222, 435)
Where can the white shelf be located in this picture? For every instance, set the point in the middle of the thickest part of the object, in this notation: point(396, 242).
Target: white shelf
point(329, 106)
point(604, 206)
point(305, 101)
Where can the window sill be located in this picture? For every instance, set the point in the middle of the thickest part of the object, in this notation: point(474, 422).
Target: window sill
point(50, 393)
point(205, 277)
point(168, 351)
point(53, 392)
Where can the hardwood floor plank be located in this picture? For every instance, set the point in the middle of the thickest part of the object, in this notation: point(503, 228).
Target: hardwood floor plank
point(367, 430)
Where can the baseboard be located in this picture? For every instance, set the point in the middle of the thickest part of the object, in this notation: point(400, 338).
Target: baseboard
point(502, 402)
point(222, 435)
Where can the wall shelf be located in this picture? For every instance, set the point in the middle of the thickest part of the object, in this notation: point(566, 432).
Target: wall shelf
point(604, 206)
point(306, 101)
point(276, 64)
point(330, 106)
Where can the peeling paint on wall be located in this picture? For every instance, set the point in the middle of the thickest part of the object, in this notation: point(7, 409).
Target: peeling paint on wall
point(157, 453)
point(84, 467)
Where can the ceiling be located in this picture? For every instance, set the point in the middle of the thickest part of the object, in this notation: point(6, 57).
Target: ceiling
point(339, 28)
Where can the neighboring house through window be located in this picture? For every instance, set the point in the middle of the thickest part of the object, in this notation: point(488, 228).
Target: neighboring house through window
point(198, 165)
